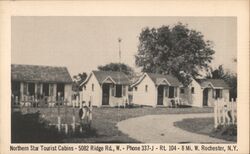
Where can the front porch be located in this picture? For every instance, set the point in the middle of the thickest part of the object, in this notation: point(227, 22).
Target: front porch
point(211, 95)
point(168, 96)
point(38, 94)
point(114, 94)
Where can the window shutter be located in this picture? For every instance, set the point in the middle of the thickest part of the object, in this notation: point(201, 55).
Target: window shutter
point(220, 93)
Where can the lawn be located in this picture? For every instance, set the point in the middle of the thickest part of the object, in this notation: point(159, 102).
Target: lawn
point(206, 126)
point(105, 120)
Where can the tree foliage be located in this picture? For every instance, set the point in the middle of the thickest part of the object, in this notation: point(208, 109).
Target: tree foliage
point(178, 50)
point(217, 73)
point(117, 67)
point(78, 79)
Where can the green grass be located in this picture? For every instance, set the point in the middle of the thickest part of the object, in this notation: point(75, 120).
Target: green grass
point(105, 120)
point(206, 126)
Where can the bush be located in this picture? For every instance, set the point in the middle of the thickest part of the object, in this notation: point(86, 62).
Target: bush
point(31, 128)
point(131, 105)
point(229, 132)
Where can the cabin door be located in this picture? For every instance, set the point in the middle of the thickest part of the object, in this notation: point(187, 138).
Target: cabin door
point(105, 94)
point(160, 93)
point(205, 97)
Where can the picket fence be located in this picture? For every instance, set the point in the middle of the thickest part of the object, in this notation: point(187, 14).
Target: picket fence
point(225, 112)
point(63, 124)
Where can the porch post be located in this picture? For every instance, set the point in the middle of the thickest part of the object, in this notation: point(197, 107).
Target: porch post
point(54, 92)
point(101, 92)
point(156, 95)
point(164, 89)
point(21, 91)
point(41, 89)
point(35, 88)
point(178, 96)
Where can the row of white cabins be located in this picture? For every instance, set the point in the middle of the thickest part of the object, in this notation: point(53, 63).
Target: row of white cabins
point(113, 88)
point(107, 88)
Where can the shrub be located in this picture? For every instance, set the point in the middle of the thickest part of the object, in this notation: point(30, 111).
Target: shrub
point(31, 128)
point(229, 132)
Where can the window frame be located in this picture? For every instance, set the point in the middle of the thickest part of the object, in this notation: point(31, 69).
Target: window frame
point(117, 90)
point(172, 93)
point(218, 94)
point(136, 88)
point(182, 90)
point(93, 87)
point(192, 90)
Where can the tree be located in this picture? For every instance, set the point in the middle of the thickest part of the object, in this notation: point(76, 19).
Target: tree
point(117, 67)
point(178, 50)
point(218, 73)
point(78, 79)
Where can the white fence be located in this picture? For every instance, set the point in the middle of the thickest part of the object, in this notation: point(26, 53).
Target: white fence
point(225, 112)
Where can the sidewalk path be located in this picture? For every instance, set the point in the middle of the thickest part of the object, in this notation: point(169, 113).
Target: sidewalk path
point(161, 129)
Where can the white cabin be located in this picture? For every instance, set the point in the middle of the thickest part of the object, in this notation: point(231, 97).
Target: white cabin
point(105, 88)
point(204, 92)
point(156, 90)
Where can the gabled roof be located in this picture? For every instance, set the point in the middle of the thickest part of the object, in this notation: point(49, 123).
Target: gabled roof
point(116, 77)
point(159, 78)
point(171, 79)
point(215, 83)
point(39, 73)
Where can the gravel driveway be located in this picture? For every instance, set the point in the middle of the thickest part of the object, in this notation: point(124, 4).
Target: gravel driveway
point(161, 129)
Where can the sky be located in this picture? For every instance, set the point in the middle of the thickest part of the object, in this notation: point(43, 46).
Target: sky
point(83, 43)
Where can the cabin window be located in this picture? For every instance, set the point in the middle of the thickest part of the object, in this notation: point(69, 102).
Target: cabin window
point(171, 92)
point(182, 90)
point(46, 89)
point(118, 91)
point(218, 93)
point(31, 89)
point(93, 87)
point(123, 90)
point(192, 90)
point(135, 88)
point(146, 88)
